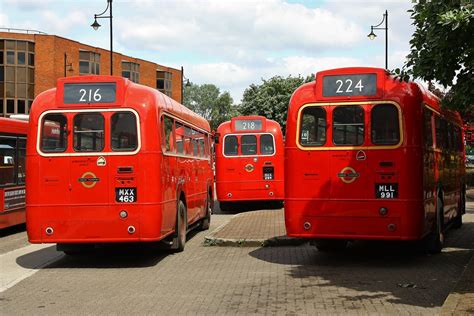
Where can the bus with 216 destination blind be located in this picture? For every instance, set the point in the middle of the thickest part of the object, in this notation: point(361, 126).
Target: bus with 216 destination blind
point(12, 171)
point(370, 157)
point(249, 162)
point(113, 161)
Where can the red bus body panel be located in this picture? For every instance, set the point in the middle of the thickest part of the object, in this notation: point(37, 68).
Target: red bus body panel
point(78, 213)
point(240, 177)
point(317, 192)
point(12, 208)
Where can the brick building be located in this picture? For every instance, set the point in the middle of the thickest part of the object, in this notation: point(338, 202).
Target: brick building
point(31, 63)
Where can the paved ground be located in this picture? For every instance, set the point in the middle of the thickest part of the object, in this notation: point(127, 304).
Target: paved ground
point(370, 277)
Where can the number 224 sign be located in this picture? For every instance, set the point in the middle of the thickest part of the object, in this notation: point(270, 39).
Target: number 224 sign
point(350, 85)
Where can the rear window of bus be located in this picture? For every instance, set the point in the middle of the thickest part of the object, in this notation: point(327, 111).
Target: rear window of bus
point(249, 144)
point(54, 133)
point(313, 127)
point(231, 145)
point(385, 129)
point(348, 125)
point(124, 131)
point(266, 144)
point(89, 132)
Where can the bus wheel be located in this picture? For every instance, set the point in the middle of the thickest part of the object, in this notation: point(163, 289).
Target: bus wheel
point(225, 206)
point(435, 239)
point(461, 209)
point(180, 236)
point(330, 244)
point(206, 221)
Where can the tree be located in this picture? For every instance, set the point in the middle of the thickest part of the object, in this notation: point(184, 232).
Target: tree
point(209, 102)
point(271, 98)
point(442, 49)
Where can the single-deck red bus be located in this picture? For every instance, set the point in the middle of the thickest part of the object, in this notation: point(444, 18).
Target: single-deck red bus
point(249, 161)
point(370, 157)
point(12, 171)
point(114, 161)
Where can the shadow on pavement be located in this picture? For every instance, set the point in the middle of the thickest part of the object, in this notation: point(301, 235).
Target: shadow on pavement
point(106, 256)
point(239, 207)
point(12, 230)
point(395, 272)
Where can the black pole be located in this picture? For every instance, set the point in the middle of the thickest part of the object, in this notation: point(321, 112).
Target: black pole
point(111, 46)
point(65, 56)
point(386, 39)
point(182, 86)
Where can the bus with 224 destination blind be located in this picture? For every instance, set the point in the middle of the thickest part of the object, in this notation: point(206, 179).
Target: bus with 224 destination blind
point(113, 161)
point(370, 157)
point(249, 161)
point(12, 171)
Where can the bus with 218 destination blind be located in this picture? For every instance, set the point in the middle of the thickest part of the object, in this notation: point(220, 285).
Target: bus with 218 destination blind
point(249, 162)
point(12, 171)
point(113, 161)
point(370, 157)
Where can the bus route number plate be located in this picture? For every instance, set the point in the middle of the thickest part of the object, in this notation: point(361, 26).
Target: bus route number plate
point(386, 190)
point(126, 195)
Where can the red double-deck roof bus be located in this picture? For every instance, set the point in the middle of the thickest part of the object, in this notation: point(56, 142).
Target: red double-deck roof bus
point(249, 161)
point(114, 161)
point(370, 157)
point(12, 171)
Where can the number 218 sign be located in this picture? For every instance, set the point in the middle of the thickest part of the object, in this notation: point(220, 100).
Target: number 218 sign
point(349, 85)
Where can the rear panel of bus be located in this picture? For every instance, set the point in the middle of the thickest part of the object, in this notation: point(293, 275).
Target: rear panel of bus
point(249, 160)
point(351, 171)
point(86, 174)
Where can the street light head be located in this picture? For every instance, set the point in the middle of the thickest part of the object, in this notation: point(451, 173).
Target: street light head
point(188, 84)
point(95, 25)
point(372, 35)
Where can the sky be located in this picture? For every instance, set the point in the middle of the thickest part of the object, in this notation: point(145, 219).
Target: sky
point(229, 43)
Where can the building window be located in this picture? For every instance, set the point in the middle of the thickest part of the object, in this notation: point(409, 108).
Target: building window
point(131, 71)
point(17, 76)
point(89, 63)
point(163, 82)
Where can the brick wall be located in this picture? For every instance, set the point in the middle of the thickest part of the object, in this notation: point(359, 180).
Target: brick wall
point(49, 62)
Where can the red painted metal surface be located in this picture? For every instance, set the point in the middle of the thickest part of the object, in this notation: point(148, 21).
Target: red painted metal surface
point(240, 175)
point(78, 196)
point(331, 190)
point(12, 172)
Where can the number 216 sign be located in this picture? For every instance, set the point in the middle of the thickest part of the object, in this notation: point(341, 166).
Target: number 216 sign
point(348, 85)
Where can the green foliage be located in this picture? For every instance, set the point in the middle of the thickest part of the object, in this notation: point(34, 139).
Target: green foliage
point(442, 49)
point(208, 101)
point(271, 98)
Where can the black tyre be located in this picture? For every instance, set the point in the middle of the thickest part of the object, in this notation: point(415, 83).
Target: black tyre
point(435, 239)
point(327, 245)
point(206, 221)
point(225, 206)
point(179, 239)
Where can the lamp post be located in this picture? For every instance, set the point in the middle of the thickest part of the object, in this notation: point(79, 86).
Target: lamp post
point(188, 84)
point(373, 36)
point(96, 26)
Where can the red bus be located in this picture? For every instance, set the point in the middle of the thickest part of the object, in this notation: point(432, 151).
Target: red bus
point(114, 161)
point(370, 157)
point(12, 171)
point(249, 161)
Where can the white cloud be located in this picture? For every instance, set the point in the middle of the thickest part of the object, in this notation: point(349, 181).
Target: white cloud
point(4, 22)
point(231, 27)
point(28, 4)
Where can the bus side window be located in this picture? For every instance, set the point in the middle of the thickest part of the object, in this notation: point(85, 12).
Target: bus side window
point(441, 133)
point(313, 127)
point(21, 151)
point(167, 137)
point(427, 128)
point(188, 141)
point(179, 137)
point(124, 131)
point(54, 133)
point(231, 145)
point(385, 129)
point(249, 144)
point(266, 144)
point(7, 163)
